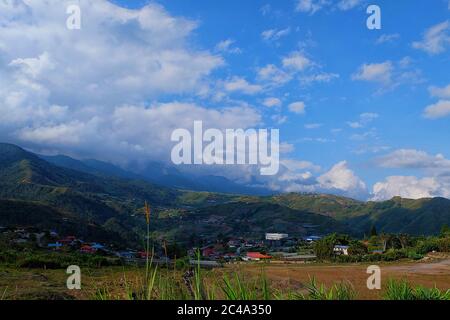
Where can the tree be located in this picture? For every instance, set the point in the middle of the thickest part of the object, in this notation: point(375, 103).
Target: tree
point(445, 230)
point(385, 239)
point(324, 248)
point(357, 248)
point(373, 231)
point(404, 240)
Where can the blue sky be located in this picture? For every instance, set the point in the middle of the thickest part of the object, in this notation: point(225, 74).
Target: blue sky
point(343, 96)
point(340, 42)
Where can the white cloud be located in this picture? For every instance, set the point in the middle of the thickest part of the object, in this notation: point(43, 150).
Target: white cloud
point(52, 65)
point(375, 72)
point(238, 84)
point(411, 187)
point(348, 4)
point(438, 110)
point(135, 132)
point(340, 177)
point(385, 38)
point(442, 93)
point(274, 75)
point(226, 46)
point(320, 77)
point(304, 176)
point(279, 119)
point(310, 6)
point(436, 183)
point(297, 165)
point(297, 107)
point(94, 92)
point(364, 120)
point(313, 126)
point(272, 102)
point(413, 159)
point(275, 34)
point(296, 61)
point(435, 40)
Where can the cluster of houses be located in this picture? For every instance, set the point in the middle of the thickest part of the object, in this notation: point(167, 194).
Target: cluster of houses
point(50, 239)
point(279, 246)
point(276, 246)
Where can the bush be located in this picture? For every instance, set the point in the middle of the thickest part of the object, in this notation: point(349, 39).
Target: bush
point(357, 248)
point(428, 245)
point(444, 245)
point(324, 248)
point(402, 290)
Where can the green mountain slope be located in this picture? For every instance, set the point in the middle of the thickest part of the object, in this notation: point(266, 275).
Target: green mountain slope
point(29, 214)
point(324, 204)
point(113, 205)
point(91, 199)
point(416, 217)
point(244, 219)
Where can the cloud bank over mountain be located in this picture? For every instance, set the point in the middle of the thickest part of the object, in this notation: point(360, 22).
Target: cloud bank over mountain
point(116, 89)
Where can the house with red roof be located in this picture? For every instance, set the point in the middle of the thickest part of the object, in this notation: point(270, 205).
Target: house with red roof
point(256, 256)
point(87, 249)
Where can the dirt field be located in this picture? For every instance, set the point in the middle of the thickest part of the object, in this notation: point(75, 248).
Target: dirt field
point(434, 272)
point(50, 284)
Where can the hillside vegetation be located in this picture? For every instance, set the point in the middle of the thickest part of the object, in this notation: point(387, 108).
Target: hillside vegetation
point(34, 191)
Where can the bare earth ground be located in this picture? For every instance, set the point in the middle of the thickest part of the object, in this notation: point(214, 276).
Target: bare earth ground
point(432, 272)
point(50, 284)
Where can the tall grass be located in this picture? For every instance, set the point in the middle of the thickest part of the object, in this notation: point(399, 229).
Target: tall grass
point(403, 290)
point(339, 291)
point(3, 295)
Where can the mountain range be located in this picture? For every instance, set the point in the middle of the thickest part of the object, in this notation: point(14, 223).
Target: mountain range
point(102, 202)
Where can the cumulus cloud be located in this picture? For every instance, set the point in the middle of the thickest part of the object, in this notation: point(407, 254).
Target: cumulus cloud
point(227, 46)
point(413, 159)
point(411, 187)
point(340, 177)
point(435, 40)
point(385, 38)
point(94, 92)
point(436, 182)
point(375, 72)
point(438, 110)
point(272, 102)
point(322, 77)
point(274, 75)
point(304, 176)
point(241, 85)
point(297, 107)
point(275, 34)
point(296, 61)
point(310, 6)
point(438, 92)
point(348, 4)
point(364, 120)
point(389, 75)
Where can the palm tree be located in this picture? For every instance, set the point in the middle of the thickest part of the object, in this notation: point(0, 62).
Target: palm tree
point(404, 240)
point(385, 238)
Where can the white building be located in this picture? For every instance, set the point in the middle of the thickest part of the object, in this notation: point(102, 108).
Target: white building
point(276, 236)
point(341, 250)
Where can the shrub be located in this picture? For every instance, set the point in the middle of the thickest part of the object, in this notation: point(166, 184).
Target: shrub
point(324, 248)
point(357, 248)
point(402, 290)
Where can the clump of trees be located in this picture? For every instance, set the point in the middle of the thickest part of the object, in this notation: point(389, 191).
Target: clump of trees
point(381, 246)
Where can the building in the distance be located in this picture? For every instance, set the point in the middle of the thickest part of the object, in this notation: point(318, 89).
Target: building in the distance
point(276, 239)
point(276, 236)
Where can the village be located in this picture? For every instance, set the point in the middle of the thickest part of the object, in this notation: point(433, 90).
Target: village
point(272, 247)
